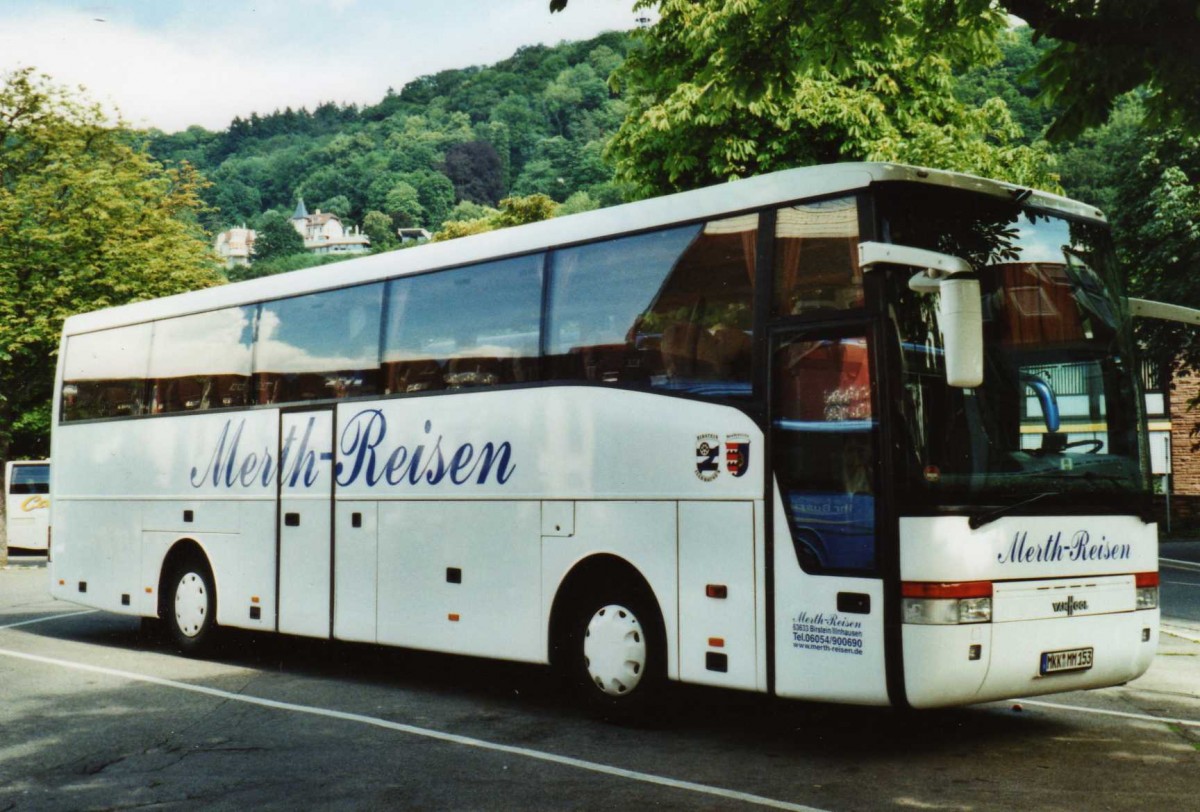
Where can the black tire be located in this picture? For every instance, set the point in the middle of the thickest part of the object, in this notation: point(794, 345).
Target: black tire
point(190, 609)
point(613, 652)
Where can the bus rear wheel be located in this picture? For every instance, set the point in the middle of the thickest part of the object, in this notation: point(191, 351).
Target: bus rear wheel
point(191, 607)
point(615, 653)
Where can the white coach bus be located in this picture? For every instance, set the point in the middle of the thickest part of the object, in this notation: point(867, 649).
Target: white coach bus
point(27, 504)
point(797, 434)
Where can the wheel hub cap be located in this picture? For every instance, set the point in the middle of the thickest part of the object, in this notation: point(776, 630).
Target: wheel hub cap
point(614, 649)
point(191, 604)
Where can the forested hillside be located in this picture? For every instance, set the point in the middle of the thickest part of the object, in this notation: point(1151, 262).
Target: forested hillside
point(536, 122)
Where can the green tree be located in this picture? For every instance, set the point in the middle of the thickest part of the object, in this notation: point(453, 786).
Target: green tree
point(404, 205)
point(517, 211)
point(328, 182)
point(89, 220)
point(1157, 228)
point(466, 210)
point(338, 204)
point(476, 171)
point(724, 90)
point(378, 226)
point(1101, 49)
point(1095, 165)
point(237, 202)
point(1011, 79)
point(436, 194)
point(574, 89)
point(513, 211)
point(578, 202)
point(453, 229)
point(276, 237)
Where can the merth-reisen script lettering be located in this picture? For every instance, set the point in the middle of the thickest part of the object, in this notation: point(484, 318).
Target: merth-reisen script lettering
point(827, 632)
point(1079, 547)
point(366, 454)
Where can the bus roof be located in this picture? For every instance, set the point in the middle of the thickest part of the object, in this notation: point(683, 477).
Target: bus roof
point(713, 201)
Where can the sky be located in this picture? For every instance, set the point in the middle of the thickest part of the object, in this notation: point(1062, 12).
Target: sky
point(170, 64)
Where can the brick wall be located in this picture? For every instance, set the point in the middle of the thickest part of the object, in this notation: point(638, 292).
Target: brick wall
point(1185, 453)
point(1185, 459)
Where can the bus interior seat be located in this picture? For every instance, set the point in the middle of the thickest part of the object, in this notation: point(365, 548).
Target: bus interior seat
point(462, 373)
point(734, 351)
point(188, 394)
point(689, 351)
point(267, 387)
point(413, 376)
point(522, 368)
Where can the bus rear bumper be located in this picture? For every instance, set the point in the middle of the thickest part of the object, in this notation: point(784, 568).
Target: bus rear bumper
point(939, 671)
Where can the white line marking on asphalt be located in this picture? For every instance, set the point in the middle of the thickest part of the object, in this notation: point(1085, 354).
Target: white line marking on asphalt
point(451, 738)
point(1144, 717)
point(45, 619)
point(1175, 564)
point(1181, 635)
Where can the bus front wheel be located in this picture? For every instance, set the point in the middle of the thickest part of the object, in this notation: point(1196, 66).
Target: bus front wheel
point(616, 653)
point(190, 612)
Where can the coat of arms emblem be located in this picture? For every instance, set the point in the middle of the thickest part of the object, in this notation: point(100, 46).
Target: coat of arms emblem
point(708, 449)
point(737, 454)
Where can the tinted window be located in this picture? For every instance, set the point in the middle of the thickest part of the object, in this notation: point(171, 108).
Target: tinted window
point(104, 373)
point(824, 450)
point(670, 309)
point(28, 479)
point(324, 345)
point(202, 361)
point(475, 326)
point(816, 257)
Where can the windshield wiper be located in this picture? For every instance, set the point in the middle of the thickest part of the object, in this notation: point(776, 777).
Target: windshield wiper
point(978, 521)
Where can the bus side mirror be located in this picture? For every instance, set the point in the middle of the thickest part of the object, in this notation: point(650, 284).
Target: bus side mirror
point(960, 318)
point(960, 311)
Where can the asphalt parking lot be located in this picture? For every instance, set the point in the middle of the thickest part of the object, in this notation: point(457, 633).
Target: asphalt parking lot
point(97, 715)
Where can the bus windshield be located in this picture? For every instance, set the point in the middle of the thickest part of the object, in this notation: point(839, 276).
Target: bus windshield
point(1056, 420)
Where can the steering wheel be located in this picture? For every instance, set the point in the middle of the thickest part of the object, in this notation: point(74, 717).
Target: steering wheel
point(1096, 445)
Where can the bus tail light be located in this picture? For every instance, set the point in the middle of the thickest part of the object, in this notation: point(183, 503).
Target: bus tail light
point(1147, 589)
point(947, 604)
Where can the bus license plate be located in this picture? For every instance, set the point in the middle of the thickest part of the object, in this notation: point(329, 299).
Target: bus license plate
point(1072, 659)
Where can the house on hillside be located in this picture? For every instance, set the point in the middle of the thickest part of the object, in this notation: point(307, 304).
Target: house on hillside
point(235, 246)
point(410, 236)
point(323, 233)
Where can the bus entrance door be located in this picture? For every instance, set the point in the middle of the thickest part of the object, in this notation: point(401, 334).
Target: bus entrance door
point(305, 521)
point(824, 452)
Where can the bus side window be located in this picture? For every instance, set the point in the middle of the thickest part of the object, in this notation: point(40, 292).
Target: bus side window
point(670, 309)
point(202, 361)
point(464, 328)
point(104, 373)
point(816, 258)
point(323, 345)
